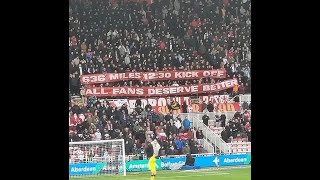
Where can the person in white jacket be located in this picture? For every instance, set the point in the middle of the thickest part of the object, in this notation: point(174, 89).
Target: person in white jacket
point(97, 135)
point(177, 123)
point(156, 147)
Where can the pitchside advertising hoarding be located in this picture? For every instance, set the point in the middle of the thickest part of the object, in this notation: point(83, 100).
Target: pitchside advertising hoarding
point(165, 163)
point(85, 168)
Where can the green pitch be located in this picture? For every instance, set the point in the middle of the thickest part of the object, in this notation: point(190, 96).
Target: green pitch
point(223, 173)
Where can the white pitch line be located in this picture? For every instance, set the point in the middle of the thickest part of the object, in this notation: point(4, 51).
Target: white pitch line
point(202, 173)
point(216, 169)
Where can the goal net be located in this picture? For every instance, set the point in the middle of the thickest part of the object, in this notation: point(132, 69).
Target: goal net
point(97, 158)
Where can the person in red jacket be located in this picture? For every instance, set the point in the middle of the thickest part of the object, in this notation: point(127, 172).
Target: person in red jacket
point(162, 45)
point(72, 122)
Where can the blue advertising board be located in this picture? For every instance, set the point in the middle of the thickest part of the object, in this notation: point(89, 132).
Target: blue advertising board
point(85, 168)
point(210, 161)
point(232, 160)
point(166, 163)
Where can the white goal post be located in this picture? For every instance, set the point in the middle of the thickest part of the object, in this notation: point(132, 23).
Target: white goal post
point(97, 158)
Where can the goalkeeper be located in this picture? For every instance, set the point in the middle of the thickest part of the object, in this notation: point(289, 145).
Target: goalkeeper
point(152, 167)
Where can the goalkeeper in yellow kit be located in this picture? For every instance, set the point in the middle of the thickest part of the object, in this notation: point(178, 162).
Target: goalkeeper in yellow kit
point(152, 167)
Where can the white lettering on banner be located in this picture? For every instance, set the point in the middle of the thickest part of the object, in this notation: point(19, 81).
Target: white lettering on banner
point(162, 102)
point(93, 78)
point(206, 73)
point(138, 166)
point(212, 73)
point(221, 102)
point(228, 83)
point(95, 91)
point(160, 75)
point(158, 91)
point(83, 169)
point(234, 82)
point(116, 76)
point(173, 90)
point(220, 99)
point(152, 102)
point(220, 85)
point(188, 74)
point(170, 164)
point(151, 76)
point(134, 75)
point(227, 160)
point(118, 102)
point(102, 91)
point(128, 90)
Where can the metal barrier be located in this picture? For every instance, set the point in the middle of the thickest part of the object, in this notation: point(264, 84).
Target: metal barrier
point(210, 136)
point(229, 115)
point(244, 97)
point(207, 145)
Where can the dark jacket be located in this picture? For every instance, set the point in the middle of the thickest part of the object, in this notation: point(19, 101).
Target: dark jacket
point(149, 151)
point(190, 160)
point(224, 135)
point(184, 108)
point(205, 119)
point(210, 107)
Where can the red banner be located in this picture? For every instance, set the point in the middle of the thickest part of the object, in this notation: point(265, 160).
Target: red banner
point(161, 104)
point(159, 91)
point(151, 76)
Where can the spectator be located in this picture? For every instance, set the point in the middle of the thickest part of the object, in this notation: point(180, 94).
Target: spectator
point(177, 123)
point(149, 150)
point(184, 107)
point(129, 145)
point(169, 116)
point(186, 124)
point(249, 135)
point(97, 135)
point(179, 145)
point(204, 106)
point(138, 103)
point(193, 148)
point(162, 151)
point(186, 149)
point(189, 160)
point(245, 105)
point(199, 134)
point(174, 105)
point(148, 107)
point(156, 147)
point(210, 107)
point(162, 134)
point(246, 116)
point(223, 118)
point(224, 135)
point(205, 119)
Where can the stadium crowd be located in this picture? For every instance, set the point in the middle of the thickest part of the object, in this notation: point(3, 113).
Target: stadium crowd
point(117, 36)
point(120, 36)
point(145, 129)
point(141, 129)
